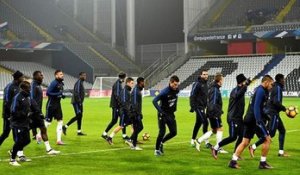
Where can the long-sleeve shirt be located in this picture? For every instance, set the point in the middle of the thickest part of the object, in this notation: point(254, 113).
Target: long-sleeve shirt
point(198, 96)
point(20, 109)
point(55, 91)
point(78, 92)
point(9, 92)
point(274, 104)
point(36, 93)
point(215, 104)
point(255, 112)
point(115, 100)
point(136, 100)
point(125, 100)
point(236, 105)
point(168, 100)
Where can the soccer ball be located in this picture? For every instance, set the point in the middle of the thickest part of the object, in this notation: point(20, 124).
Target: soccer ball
point(146, 136)
point(291, 111)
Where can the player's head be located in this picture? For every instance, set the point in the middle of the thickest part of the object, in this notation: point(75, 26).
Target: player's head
point(25, 86)
point(140, 82)
point(174, 82)
point(129, 82)
point(82, 76)
point(267, 82)
point(38, 76)
point(219, 79)
point(279, 78)
point(122, 76)
point(59, 75)
point(204, 74)
point(18, 76)
point(241, 79)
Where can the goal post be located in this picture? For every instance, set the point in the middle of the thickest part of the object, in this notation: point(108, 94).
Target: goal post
point(102, 87)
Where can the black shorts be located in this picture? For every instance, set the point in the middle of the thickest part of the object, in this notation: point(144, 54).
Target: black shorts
point(215, 122)
point(37, 122)
point(53, 111)
point(124, 120)
point(251, 128)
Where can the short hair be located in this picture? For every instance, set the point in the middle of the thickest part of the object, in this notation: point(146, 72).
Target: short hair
point(129, 79)
point(24, 85)
point(174, 78)
point(279, 77)
point(122, 75)
point(203, 70)
point(266, 78)
point(139, 80)
point(218, 77)
point(35, 73)
point(57, 71)
point(81, 73)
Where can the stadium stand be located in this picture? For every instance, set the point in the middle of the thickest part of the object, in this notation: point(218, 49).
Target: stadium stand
point(5, 77)
point(117, 59)
point(249, 65)
point(241, 13)
point(28, 67)
point(17, 24)
point(58, 25)
point(101, 68)
point(294, 14)
point(289, 67)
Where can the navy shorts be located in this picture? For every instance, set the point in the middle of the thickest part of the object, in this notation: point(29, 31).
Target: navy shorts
point(215, 122)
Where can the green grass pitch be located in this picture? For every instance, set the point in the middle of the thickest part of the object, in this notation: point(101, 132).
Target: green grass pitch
point(92, 154)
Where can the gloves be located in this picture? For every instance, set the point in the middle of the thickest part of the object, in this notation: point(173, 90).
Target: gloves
point(248, 81)
point(192, 110)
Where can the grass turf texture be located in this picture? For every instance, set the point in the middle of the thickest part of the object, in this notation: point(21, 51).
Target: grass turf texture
point(92, 154)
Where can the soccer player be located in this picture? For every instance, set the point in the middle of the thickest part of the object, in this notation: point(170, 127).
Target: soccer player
point(19, 121)
point(198, 104)
point(9, 92)
point(168, 104)
point(125, 110)
point(254, 124)
point(137, 116)
point(235, 114)
point(214, 112)
point(115, 101)
point(274, 106)
point(77, 101)
point(53, 107)
point(36, 96)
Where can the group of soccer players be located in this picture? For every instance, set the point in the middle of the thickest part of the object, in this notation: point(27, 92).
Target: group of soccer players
point(262, 117)
point(22, 111)
point(126, 104)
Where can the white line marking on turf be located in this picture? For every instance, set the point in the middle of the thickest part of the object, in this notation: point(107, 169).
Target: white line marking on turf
point(94, 151)
point(295, 130)
point(112, 149)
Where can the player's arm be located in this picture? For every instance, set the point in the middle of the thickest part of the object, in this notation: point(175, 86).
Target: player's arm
point(155, 101)
point(134, 100)
point(214, 106)
point(51, 89)
point(117, 93)
point(276, 95)
point(193, 96)
point(76, 92)
point(16, 103)
point(260, 95)
point(8, 99)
